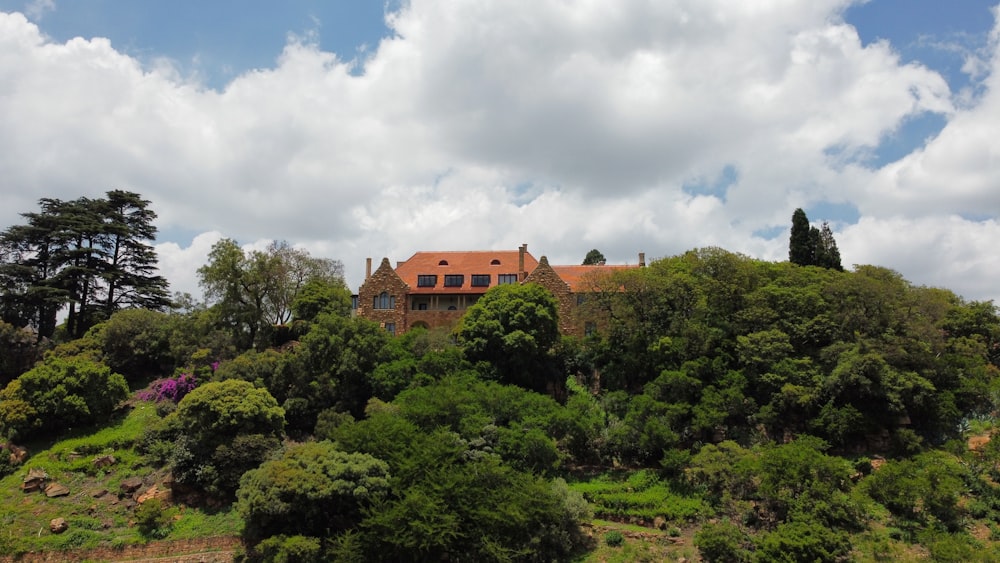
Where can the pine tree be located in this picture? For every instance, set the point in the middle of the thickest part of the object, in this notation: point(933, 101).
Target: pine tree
point(800, 248)
point(828, 255)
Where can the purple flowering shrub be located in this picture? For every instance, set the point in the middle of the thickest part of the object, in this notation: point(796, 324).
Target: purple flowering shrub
point(170, 389)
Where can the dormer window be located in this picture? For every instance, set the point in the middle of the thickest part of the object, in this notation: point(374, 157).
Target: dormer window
point(494, 262)
point(455, 280)
point(425, 280)
point(480, 280)
point(443, 263)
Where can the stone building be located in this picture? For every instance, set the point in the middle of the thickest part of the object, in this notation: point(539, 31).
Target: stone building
point(434, 289)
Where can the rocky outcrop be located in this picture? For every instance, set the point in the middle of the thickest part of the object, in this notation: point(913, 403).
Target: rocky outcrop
point(35, 480)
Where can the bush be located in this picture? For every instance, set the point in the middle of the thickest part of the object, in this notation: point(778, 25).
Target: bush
point(290, 549)
point(60, 393)
point(153, 519)
point(723, 542)
point(614, 538)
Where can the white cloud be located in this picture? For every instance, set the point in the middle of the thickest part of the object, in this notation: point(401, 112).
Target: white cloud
point(488, 124)
point(36, 9)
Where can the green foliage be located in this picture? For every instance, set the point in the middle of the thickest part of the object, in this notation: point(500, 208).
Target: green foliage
point(925, 489)
point(723, 542)
point(251, 291)
point(512, 327)
point(614, 538)
point(291, 549)
point(220, 430)
point(153, 518)
point(593, 257)
point(136, 343)
point(314, 489)
point(60, 393)
point(802, 541)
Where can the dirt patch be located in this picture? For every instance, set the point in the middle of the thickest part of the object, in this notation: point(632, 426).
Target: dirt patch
point(978, 442)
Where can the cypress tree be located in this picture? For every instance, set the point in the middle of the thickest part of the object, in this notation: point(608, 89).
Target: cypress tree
point(800, 248)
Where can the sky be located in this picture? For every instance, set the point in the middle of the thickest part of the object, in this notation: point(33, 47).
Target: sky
point(357, 128)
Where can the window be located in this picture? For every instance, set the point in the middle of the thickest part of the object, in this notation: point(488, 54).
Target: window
point(580, 298)
point(454, 280)
point(589, 329)
point(494, 262)
point(443, 263)
point(384, 301)
point(480, 280)
point(506, 278)
point(354, 302)
point(426, 280)
point(390, 328)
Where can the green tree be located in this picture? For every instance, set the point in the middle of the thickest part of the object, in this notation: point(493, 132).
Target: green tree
point(250, 291)
point(512, 328)
point(91, 255)
point(129, 271)
point(593, 258)
point(314, 490)
point(60, 393)
point(800, 247)
point(827, 253)
point(221, 430)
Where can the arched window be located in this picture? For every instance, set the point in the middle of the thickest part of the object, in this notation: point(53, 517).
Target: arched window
point(443, 263)
point(384, 301)
point(494, 262)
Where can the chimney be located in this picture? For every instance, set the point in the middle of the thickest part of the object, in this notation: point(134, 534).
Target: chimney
point(368, 267)
point(521, 250)
point(642, 259)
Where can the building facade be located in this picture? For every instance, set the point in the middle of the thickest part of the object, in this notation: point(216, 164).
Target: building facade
point(434, 289)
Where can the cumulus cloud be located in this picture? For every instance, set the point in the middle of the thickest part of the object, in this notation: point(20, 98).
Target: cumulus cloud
point(489, 124)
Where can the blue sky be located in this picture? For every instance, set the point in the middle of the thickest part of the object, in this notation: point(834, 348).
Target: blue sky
point(355, 128)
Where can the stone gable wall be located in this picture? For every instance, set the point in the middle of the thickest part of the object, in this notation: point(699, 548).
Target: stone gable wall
point(546, 277)
point(384, 279)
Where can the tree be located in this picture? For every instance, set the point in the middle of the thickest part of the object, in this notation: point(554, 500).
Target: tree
point(314, 490)
point(512, 327)
point(91, 255)
point(809, 246)
point(594, 258)
point(131, 261)
point(60, 393)
point(256, 289)
point(221, 430)
point(800, 248)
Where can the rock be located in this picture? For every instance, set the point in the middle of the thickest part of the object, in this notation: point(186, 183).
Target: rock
point(35, 480)
point(660, 523)
point(99, 493)
point(56, 490)
point(58, 525)
point(17, 454)
point(104, 461)
point(154, 492)
point(131, 485)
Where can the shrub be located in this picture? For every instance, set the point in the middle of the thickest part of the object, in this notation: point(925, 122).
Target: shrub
point(722, 542)
point(153, 519)
point(614, 538)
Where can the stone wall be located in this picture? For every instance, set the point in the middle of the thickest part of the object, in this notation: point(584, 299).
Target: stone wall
point(384, 279)
point(546, 277)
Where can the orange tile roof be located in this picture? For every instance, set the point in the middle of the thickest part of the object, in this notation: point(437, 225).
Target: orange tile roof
point(466, 263)
point(578, 277)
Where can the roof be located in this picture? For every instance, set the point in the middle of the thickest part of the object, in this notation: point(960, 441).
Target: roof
point(578, 277)
point(464, 263)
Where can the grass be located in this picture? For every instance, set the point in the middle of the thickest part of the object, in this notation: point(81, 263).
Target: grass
point(640, 495)
point(95, 520)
